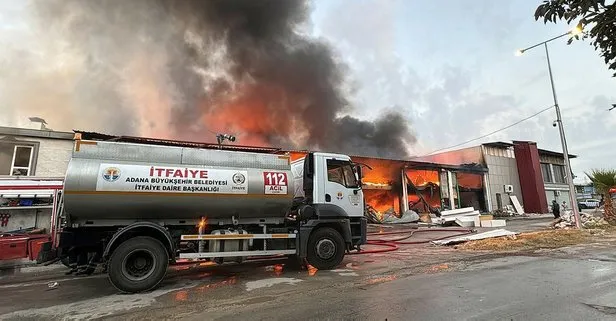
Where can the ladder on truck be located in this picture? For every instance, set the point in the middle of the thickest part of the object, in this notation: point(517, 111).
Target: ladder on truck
point(227, 237)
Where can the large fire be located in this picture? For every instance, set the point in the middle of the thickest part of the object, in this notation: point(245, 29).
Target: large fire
point(255, 119)
point(427, 184)
point(382, 184)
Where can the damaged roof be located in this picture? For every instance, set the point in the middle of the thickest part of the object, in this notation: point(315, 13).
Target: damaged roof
point(167, 142)
point(155, 141)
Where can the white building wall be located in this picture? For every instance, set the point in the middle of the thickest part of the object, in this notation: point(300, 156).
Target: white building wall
point(502, 170)
point(53, 157)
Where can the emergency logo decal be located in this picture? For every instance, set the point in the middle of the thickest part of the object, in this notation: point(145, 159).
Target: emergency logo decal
point(111, 174)
point(239, 178)
point(340, 196)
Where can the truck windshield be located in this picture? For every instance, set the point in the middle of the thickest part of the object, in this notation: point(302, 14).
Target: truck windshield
point(341, 172)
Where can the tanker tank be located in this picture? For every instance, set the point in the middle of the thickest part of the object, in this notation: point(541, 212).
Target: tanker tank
point(111, 181)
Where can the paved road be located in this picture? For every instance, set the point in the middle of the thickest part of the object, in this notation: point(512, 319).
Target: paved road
point(418, 283)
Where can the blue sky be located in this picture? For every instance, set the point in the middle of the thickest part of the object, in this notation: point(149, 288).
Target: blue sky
point(450, 65)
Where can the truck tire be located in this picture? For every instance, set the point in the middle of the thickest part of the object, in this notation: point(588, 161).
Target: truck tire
point(138, 264)
point(325, 248)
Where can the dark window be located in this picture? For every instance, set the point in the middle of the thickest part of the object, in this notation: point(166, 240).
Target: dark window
point(559, 173)
point(15, 159)
point(341, 172)
point(546, 173)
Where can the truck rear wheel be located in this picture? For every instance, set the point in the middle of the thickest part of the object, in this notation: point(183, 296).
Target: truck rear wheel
point(325, 248)
point(138, 264)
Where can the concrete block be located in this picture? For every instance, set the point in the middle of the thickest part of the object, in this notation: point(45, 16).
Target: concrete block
point(499, 223)
point(493, 223)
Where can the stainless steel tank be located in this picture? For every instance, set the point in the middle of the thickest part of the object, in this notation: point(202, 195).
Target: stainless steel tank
point(125, 181)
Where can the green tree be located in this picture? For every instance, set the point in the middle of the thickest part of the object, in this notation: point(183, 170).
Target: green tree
point(604, 180)
point(594, 16)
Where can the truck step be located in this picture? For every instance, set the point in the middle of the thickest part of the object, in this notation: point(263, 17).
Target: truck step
point(235, 253)
point(198, 237)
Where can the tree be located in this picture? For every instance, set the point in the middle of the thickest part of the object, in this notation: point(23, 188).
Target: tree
point(595, 14)
point(604, 180)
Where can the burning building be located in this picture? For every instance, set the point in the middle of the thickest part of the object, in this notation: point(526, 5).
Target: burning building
point(394, 186)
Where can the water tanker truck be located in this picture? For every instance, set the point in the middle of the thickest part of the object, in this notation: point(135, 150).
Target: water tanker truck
point(135, 208)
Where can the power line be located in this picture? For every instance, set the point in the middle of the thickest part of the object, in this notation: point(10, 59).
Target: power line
point(491, 133)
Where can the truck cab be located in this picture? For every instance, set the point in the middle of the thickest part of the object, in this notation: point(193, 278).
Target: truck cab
point(329, 186)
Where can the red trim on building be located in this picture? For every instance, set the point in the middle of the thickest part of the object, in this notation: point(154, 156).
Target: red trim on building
point(531, 180)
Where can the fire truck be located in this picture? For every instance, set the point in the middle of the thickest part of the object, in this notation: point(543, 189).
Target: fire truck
point(135, 208)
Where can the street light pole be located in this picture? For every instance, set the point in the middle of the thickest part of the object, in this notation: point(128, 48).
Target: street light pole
point(561, 129)
point(563, 141)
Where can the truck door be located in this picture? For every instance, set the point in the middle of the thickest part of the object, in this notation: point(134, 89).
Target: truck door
point(342, 187)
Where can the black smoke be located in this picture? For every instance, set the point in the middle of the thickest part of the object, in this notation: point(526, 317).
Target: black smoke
point(188, 68)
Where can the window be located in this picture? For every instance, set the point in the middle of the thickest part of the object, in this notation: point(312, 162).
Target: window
point(546, 173)
point(341, 172)
point(559, 173)
point(15, 160)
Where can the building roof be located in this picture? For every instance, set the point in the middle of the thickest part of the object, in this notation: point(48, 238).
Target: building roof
point(178, 143)
point(544, 152)
point(498, 144)
point(40, 133)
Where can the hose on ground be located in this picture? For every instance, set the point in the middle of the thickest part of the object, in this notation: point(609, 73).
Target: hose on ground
point(392, 244)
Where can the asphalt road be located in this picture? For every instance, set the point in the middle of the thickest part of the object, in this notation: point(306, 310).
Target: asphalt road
point(413, 283)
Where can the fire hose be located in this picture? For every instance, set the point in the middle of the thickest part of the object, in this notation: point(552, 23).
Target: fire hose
point(392, 244)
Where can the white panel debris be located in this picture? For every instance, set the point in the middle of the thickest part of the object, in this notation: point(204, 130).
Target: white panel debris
point(479, 236)
point(516, 204)
point(453, 215)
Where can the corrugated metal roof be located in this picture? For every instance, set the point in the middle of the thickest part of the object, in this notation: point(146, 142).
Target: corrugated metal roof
point(541, 151)
point(167, 142)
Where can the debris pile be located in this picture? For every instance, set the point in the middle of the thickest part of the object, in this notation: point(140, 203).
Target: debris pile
point(463, 214)
point(468, 217)
point(566, 221)
point(590, 221)
point(481, 236)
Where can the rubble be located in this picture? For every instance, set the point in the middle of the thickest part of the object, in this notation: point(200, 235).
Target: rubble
point(588, 220)
point(479, 236)
point(389, 216)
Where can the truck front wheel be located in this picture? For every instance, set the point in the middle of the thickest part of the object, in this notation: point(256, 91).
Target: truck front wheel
point(325, 248)
point(138, 264)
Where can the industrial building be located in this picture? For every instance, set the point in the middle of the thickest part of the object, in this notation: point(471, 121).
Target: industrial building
point(33, 163)
point(534, 176)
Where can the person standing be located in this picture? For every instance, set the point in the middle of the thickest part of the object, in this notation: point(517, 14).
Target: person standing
point(555, 209)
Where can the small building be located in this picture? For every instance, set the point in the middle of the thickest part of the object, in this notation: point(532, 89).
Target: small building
point(534, 176)
point(33, 163)
point(586, 191)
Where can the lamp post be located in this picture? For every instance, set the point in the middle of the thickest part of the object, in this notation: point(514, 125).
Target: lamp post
point(563, 140)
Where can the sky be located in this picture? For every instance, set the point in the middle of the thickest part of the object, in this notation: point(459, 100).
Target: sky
point(450, 65)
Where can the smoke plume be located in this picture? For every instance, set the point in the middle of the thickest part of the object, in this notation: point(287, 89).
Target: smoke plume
point(187, 69)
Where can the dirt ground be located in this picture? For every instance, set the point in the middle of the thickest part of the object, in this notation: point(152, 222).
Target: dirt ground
point(548, 239)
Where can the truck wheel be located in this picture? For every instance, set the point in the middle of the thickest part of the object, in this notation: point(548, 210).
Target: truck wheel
point(138, 264)
point(325, 248)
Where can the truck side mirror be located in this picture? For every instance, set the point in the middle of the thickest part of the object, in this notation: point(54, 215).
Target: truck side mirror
point(360, 174)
